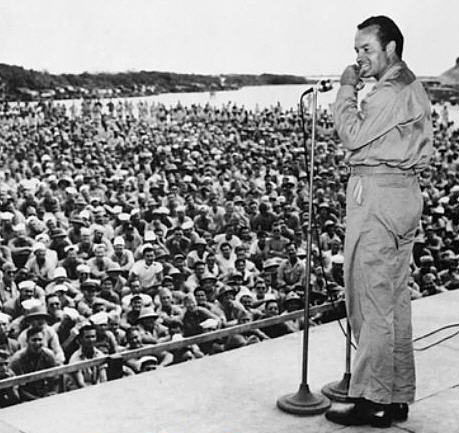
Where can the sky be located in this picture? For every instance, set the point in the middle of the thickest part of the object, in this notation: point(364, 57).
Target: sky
point(298, 37)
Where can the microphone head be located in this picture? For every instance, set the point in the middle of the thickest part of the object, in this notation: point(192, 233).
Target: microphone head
point(325, 85)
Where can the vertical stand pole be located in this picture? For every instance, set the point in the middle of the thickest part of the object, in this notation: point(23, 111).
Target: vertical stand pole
point(304, 402)
point(337, 391)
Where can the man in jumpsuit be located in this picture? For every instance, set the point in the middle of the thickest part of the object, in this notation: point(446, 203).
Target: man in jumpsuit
point(389, 141)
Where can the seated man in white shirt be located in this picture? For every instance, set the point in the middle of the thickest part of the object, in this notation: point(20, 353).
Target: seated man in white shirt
point(147, 270)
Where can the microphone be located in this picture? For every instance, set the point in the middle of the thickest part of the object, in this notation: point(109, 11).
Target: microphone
point(322, 86)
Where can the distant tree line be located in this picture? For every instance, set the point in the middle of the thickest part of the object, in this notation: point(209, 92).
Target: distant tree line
point(19, 83)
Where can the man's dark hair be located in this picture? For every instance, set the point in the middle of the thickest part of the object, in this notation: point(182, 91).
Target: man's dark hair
point(148, 249)
point(387, 31)
point(84, 328)
point(225, 244)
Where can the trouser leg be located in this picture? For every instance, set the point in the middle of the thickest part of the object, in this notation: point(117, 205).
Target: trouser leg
point(403, 389)
point(378, 248)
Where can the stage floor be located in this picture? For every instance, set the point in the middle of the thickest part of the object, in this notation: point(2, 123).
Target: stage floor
point(236, 392)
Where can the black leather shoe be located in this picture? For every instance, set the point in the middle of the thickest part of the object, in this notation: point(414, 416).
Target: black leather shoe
point(382, 418)
point(363, 412)
point(399, 411)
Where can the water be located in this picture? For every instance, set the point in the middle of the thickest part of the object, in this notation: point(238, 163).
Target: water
point(254, 97)
point(251, 97)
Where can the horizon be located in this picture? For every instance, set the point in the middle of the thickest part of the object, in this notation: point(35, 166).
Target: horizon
point(307, 76)
point(205, 37)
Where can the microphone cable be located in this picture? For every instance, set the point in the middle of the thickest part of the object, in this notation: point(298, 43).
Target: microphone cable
point(435, 331)
point(326, 85)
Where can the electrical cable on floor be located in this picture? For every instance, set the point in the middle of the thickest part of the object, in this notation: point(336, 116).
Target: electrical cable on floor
point(435, 331)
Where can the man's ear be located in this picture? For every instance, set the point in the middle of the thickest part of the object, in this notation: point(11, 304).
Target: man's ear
point(390, 48)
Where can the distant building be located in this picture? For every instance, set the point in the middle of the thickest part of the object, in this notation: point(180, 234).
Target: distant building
point(451, 76)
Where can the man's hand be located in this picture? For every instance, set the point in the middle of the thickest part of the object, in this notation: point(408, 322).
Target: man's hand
point(350, 76)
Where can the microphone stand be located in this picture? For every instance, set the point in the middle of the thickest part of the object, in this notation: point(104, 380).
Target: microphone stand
point(337, 391)
point(304, 402)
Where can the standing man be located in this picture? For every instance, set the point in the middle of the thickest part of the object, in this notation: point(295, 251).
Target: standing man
point(389, 141)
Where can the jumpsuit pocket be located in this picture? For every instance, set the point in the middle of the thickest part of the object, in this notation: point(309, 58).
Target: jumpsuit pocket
point(355, 192)
point(400, 206)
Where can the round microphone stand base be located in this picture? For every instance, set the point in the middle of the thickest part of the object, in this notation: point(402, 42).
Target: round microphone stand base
point(337, 391)
point(304, 402)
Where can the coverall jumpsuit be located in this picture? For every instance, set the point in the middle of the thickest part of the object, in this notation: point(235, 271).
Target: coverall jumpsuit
point(389, 140)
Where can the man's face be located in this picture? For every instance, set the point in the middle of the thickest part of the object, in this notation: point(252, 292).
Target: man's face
point(227, 298)
point(72, 254)
point(226, 251)
point(291, 251)
point(135, 340)
point(9, 275)
point(98, 236)
point(371, 56)
point(35, 342)
point(106, 286)
point(135, 286)
point(272, 309)
point(3, 327)
point(99, 253)
point(199, 270)
point(118, 248)
point(190, 304)
point(83, 276)
point(89, 293)
point(149, 257)
point(200, 296)
point(136, 304)
point(3, 366)
point(101, 328)
point(54, 304)
point(246, 301)
point(166, 299)
point(40, 254)
point(260, 288)
point(240, 266)
point(27, 293)
point(88, 339)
